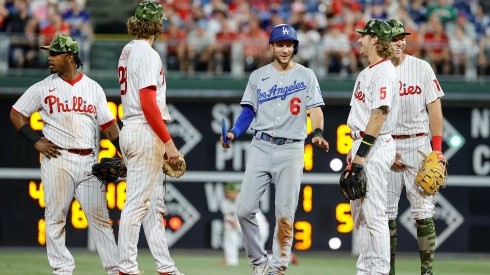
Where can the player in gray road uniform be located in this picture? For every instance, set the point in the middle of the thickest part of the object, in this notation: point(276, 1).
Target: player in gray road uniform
point(276, 99)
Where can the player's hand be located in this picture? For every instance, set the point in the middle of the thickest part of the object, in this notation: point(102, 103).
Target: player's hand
point(348, 158)
point(441, 157)
point(230, 137)
point(171, 153)
point(320, 142)
point(47, 148)
point(398, 164)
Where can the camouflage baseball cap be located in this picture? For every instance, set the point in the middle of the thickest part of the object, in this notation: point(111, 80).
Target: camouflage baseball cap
point(397, 27)
point(232, 186)
point(378, 28)
point(149, 11)
point(62, 44)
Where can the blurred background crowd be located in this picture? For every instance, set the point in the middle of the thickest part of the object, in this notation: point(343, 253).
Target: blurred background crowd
point(216, 37)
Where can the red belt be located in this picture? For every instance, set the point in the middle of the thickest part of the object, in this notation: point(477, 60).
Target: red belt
point(81, 152)
point(408, 136)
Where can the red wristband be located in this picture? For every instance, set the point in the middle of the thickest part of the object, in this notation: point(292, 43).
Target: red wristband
point(437, 143)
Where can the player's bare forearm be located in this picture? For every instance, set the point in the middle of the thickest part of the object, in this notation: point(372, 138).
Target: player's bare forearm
point(18, 119)
point(434, 110)
point(43, 145)
point(376, 120)
point(111, 132)
point(316, 116)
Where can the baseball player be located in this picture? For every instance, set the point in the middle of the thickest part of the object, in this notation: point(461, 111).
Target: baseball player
point(232, 233)
point(276, 101)
point(372, 119)
point(144, 141)
point(421, 115)
point(72, 106)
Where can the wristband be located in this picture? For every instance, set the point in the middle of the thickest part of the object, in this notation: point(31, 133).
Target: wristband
point(318, 133)
point(366, 144)
point(29, 134)
point(437, 143)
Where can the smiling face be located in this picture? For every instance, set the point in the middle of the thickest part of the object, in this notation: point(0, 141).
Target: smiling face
point(399, 43)
point(283, 51)
point(366, 42)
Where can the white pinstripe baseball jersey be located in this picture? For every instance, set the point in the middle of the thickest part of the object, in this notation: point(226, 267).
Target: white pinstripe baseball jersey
point(376, 85)
point(418, 87)
point(145, 69)
point(69, 110)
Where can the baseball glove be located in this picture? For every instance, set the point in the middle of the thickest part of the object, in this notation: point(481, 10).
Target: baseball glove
point(109, 169)
point(175, 170)
point(432, 174)
point(353, 182)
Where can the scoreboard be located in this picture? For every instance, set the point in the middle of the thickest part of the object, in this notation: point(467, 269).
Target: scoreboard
point(323, 221)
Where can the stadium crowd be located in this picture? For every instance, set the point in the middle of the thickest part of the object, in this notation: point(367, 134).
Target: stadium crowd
point(211, 35)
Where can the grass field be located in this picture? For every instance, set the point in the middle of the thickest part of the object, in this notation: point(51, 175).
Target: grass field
point(27, 261)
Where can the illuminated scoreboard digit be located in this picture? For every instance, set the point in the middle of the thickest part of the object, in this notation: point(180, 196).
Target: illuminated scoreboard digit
point(314, 225)
point(308, 229)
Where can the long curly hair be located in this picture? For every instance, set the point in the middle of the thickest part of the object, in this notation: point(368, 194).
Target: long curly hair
point(143, 29)
point(385, 49)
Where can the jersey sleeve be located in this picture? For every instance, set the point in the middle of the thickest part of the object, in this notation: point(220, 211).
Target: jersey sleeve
point(29, 102)
point(148, 70)
point(250, 94)
point(314, 93)
point(431, 84)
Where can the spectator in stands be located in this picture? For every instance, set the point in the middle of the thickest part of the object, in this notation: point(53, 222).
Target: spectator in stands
point(52, 27)
point(199, 49)
point(444, 10)
point(3, 15)
point(337, 51)
point(376, 10)
point(17, 18)
point(175, 38)
point(484, 55)
point(481, 22)
point(42, 10)
point(357, 22)
point(79, 20)
point(417, 11)
point(309, 44)
point(223, 50)
point(19, 25)
point(256, 51)
point(461, 46)
point(435, 44)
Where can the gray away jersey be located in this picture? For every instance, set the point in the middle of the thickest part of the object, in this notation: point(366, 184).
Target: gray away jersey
point(280, 101)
